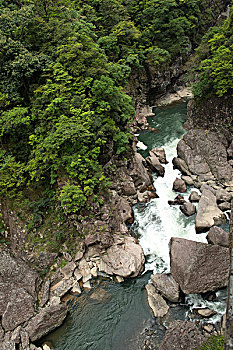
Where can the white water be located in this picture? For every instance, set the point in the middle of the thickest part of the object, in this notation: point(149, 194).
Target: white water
point(159, 221)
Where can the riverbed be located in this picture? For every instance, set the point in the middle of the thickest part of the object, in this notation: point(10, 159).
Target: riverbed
point(120, 318)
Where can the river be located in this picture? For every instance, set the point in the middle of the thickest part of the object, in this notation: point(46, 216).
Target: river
point(120, 318)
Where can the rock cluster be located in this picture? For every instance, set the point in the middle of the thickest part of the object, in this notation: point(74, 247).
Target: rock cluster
point(21, 321)
point(204, 160)
point(182, 335)
point(198, 267)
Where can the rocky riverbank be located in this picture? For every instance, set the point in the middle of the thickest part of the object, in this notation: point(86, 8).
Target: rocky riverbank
point(32, 307)
point(205, 162)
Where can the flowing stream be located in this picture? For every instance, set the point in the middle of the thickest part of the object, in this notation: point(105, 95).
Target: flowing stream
point(116, 316)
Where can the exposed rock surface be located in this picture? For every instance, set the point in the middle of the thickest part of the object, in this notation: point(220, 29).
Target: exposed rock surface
point(166, 285)
point(160, 153)
point(206, 152)
point(19, 308)
point(224, 206)
point(188, 180)
point(198, 267)
point(188, 209)
point(194, 197)
point(179, 185)
point(15, 274)
point(124, 259)
point(205, 312)
point(45, 321)
point(182, 335)
point(181, 165)
point(179, 200)
point(155, 165)
point(217, 235)
point(156, 301)
point(208, 213)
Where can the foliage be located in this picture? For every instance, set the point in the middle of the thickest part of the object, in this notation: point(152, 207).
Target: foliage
point(213, 343)
point(215, 62)
point(65, 66)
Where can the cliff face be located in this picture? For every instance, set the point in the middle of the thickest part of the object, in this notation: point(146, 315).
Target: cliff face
point(214, 114)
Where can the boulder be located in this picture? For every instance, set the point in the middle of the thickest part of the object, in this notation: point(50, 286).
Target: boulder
point(188, 209)
point(62, 287)
point(180, 164)
point(20, 308)
point(128, 186)
point(217, 235)
point(46, 321)
point(16, 275)
point(139, 173)
point(155, 165)
point(224, 206)
point(188, 180)
point(194, 197)
point(179, 185)
point(205, 312)
point(156, 301)
point(160, 153)
point(166, 285)
point(125, 210)
point(208, 213)
point(68, 269)
point(80, 251)
point(124, 259)
point(198, 267)
point(195, 162)
point(206, 152)
point(182, 335)
point(24, 337)
point(179, 200)
point(223, 196)
point(207, 187)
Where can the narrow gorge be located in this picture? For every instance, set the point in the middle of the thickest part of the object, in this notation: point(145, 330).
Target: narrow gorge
point(116, 174)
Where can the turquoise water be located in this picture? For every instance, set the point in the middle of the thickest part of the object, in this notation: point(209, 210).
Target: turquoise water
point(113, 323)
point(122, 319)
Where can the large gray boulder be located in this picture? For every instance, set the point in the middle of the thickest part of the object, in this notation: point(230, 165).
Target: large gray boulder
point(18, 291)
point(208, 213)
point(156, 301)
point(181, 165)
point(206, 152)
point(217, 235)
point(182, 335)
point(124, 259)
point(160, 153)
point(179, 185)
point(46, 321)
point(223, 195)
point(155, 165)
point(198, 267)
point(15, 274)
point(194, 197)
point(19, 308)
point(196, 164)
point(188, 209)
point(167, 286)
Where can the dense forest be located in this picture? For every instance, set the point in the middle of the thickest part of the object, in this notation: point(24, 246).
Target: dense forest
point(65, 70)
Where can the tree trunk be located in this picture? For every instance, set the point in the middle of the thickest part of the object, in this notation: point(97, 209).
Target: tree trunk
point(229, 312)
